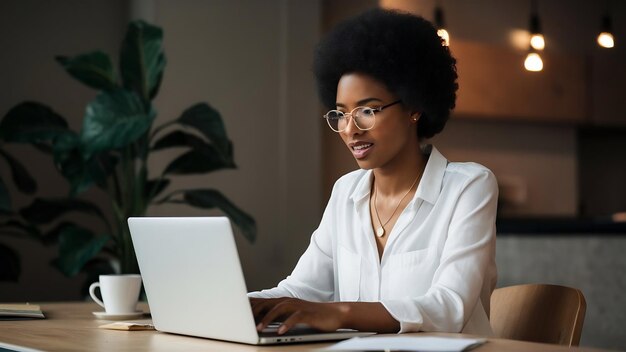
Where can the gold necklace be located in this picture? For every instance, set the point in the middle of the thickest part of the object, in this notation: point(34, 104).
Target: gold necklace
point(380, 231)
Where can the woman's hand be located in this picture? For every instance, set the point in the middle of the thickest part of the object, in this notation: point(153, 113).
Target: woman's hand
point(292, 311)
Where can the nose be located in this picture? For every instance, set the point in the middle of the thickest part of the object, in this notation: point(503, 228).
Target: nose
point(351, 128)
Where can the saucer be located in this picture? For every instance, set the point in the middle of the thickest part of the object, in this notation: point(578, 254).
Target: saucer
point(118, 316)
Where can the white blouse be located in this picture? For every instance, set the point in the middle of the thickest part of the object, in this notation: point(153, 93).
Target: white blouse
point(438, 267)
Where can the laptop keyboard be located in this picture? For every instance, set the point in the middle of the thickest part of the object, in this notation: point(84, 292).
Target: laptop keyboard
point(272, 330)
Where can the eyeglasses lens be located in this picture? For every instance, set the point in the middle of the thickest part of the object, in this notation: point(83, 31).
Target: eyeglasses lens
point(335, 119)
point(363, 116)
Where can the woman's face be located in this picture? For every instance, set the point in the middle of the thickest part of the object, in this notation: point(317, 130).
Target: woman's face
point(394, 129)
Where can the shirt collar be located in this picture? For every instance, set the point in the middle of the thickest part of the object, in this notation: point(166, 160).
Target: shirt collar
point(429, 186)
point(363, 187)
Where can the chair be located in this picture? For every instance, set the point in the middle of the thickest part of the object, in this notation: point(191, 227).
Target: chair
point(538, 313)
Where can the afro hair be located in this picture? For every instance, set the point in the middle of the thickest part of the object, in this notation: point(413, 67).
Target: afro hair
point(401, 50)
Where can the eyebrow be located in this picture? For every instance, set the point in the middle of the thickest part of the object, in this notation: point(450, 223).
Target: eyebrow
point(361, 102)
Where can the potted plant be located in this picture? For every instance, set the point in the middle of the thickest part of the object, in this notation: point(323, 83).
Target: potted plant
point(111, 152)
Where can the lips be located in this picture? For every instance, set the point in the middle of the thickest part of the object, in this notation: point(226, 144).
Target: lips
point(360, 149)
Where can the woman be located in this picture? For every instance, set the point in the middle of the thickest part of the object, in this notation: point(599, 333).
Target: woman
point(406, 243)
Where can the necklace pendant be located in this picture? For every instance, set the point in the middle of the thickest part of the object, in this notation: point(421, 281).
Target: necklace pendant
point(380, 231)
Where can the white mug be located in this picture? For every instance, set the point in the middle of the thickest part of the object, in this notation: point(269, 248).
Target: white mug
point(120, 293)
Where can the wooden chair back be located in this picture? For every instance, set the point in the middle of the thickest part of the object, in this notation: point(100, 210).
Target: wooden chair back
point(538, 313)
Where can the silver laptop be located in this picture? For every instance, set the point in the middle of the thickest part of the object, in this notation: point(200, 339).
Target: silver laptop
point(195, 285)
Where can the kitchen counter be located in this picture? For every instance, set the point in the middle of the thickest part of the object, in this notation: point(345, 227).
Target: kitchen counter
point(560, 225)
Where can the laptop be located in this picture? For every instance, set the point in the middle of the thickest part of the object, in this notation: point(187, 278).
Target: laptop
point(195, 286)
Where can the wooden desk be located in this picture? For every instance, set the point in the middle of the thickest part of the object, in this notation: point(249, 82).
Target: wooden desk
point(72, 327)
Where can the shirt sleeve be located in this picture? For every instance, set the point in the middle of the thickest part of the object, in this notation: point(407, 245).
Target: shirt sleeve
point(466, 258)
point(313, 277)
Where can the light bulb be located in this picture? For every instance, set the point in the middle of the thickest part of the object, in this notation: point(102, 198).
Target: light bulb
point(537, 41)
point(444, 35)
point(605, 40)
point(533, 62)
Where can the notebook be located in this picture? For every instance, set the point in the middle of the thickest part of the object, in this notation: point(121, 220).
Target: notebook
point(194, 283)
point(20, 311)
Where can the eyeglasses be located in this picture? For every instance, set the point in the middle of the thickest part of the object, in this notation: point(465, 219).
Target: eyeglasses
point(364, 117)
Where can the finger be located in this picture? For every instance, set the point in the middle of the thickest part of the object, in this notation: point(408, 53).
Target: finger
point(261, 308)
point(281, 309)
point(266, 304)
point(295, 318)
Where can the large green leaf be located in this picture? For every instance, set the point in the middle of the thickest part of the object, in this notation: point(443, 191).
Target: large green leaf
point(22, 179)
point(203, 157)
point(93, 69)
point(51, 237)
point(9, 264)
point(81, 173)
point(209, 198)
point(77, 246)
point(68, 159)
point(30, 122)
point(154, 187)
point(179, 139)
point(114, 120)
point(197, 161)
point(43, 211)
point(209, 122)
point(5, 198)
point(142, 60)
point(16, 227)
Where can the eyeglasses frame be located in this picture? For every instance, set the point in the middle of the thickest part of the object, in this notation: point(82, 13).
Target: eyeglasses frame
point(350, 114)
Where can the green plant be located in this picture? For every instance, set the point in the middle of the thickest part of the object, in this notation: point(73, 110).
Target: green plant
point(10, 267)
point(111, 152)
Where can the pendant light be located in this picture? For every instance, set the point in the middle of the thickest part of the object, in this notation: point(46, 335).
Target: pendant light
point(605, 38)
point(537, 41)
point(533, 61)
point(440, 24)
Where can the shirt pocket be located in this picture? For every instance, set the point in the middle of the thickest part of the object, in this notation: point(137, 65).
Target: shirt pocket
point(349, 274)
point(411, 273)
